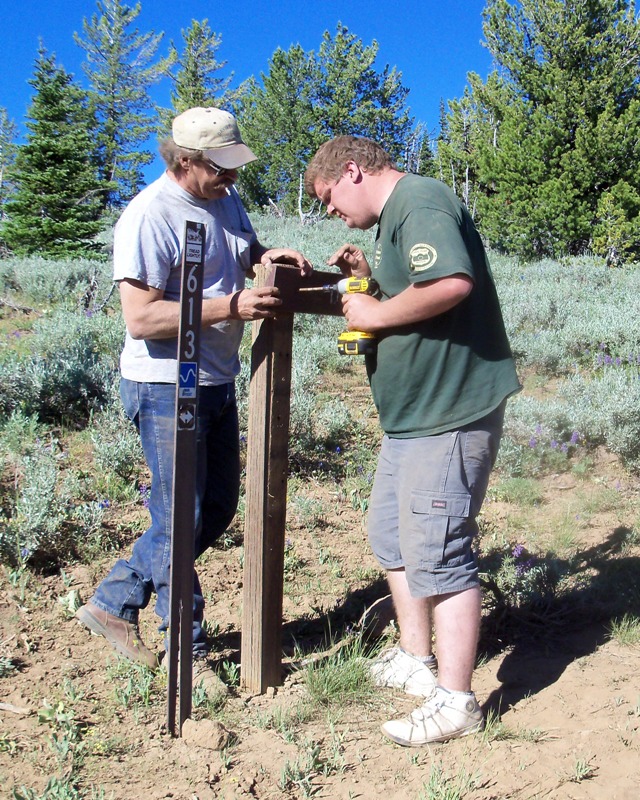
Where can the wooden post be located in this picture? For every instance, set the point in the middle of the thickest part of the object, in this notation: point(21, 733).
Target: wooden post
point(267, 470)
point(266, 496)
point(184, 479)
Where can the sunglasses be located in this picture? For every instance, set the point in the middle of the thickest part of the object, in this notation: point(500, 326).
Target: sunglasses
point(213, 166)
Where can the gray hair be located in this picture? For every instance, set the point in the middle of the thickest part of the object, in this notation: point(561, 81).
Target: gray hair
point(172, 153)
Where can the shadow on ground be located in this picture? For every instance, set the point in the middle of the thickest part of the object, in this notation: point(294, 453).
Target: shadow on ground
point(571, 620)
point(539, 639)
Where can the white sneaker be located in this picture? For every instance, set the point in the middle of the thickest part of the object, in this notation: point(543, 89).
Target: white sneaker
point(398, 669)
point(444, 715)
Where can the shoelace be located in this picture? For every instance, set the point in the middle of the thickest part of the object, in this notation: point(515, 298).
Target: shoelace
point(433, 710)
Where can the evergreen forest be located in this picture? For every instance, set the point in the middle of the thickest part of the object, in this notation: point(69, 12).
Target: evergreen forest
point(544, 151)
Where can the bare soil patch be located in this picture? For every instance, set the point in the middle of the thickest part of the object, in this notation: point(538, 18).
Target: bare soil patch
point(565, 694)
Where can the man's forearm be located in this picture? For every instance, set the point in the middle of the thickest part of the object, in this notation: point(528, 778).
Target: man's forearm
point(416, 303)
point(161, 319)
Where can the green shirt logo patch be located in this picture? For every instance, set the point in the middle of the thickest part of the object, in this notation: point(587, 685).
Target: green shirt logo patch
point(421, 257)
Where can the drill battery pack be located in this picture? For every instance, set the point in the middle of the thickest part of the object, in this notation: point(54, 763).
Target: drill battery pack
point(356, 343)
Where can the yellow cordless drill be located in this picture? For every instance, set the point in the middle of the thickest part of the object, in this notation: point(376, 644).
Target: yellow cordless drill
point(352, 343)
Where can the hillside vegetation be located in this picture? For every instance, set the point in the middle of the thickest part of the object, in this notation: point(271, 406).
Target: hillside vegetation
point(559, 554)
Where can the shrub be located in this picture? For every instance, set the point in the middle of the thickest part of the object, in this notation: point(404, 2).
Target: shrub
point(70, 370)
point(45, 523)
point(116, 443)
point(560, 315)
point(42, 282)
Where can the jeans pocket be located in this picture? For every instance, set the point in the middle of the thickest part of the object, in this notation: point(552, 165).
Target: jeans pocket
point(130, 399)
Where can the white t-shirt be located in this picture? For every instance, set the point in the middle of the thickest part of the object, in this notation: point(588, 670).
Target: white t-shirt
point(148, 242)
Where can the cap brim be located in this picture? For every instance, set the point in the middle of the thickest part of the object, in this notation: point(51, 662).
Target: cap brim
point(232, 157)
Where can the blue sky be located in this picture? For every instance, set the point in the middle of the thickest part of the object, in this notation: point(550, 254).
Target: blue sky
point(434, 43)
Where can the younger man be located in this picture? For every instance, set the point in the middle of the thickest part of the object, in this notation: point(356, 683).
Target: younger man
point(440, 377)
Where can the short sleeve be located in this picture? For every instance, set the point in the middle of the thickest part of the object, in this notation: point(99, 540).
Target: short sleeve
point(432, 245)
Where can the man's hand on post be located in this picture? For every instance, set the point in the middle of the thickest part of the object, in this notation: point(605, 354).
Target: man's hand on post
point(284, 255)
point(260, 303)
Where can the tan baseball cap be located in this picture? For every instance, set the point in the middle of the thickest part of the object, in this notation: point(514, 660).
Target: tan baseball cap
point(216, 133)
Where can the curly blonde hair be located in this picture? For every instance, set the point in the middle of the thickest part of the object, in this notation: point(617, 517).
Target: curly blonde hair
point(329, 162)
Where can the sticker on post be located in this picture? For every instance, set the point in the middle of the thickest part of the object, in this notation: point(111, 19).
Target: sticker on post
point(194, 245)
point(186, 417)
point(188, 380)
point(194, 252)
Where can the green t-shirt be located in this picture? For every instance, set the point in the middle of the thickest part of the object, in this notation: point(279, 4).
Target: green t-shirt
point(445, 372)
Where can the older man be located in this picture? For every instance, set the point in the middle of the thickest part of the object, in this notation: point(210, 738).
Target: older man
point(203, 157)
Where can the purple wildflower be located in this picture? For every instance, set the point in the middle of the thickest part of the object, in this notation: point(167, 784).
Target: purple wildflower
point(522, 569)
point(144, 494)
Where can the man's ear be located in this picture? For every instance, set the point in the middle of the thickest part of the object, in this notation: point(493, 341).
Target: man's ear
point(354, 171)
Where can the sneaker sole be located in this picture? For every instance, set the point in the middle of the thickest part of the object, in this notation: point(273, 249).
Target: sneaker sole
point(444, 738)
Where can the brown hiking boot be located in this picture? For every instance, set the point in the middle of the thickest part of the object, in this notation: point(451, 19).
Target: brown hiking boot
point(204, 675)
point(123, 636)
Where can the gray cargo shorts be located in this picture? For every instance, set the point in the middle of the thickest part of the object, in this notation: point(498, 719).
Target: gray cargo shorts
point(425, 498)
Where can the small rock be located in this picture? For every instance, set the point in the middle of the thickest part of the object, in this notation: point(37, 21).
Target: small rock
point(205, 733)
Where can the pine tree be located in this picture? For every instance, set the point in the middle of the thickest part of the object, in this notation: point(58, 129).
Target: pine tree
point(197, 81)
point(357, 100)
point(564, 104)
point(418, 156)
point(458, 154)
point(280, 124)
point(56, 205)
point(305, 99)
point(8, 132)
point(121, 69)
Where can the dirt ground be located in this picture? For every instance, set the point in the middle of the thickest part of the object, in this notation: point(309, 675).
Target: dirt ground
point(565, 699)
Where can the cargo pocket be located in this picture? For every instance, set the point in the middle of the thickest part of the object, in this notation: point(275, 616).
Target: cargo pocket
point(440, 534)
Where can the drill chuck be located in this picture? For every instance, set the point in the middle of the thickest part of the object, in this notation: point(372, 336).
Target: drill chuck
point(352, 343)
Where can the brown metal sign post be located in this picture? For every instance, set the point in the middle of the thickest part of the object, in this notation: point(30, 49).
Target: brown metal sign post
point(184, 479)
point(267, 468)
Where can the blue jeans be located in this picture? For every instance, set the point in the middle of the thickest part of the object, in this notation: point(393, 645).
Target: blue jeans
point(151, 406)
